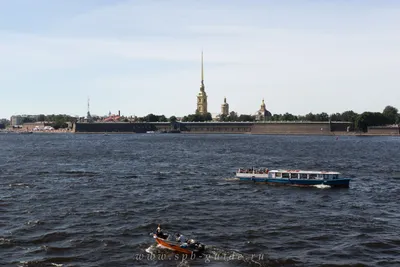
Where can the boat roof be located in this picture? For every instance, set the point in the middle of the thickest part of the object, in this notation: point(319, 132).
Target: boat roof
point(299, 171)
point(305, 171)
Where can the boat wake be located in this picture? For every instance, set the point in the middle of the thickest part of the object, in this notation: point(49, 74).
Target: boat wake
point(215, 256)
point(231, 179)
point(157, 248)
point(322, 186)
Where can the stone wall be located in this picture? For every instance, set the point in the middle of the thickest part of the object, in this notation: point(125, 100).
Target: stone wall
point(318, 128)
point(384, 130)
point(341, 126)
point(321, 128)
point(123, 127)
point(216, 127)
point(291, 128)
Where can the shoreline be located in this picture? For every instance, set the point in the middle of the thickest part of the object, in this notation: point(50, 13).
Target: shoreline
point(246, 133)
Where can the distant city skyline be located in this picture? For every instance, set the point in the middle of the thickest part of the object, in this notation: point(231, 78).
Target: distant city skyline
point(143, 56)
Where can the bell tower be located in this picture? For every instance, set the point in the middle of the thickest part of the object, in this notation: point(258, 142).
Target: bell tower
point(225, 108)
point(202, 96)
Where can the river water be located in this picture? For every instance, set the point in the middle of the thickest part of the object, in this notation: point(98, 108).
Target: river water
point(92, 200)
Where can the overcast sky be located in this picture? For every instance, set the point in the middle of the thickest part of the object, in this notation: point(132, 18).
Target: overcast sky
point(143, 56)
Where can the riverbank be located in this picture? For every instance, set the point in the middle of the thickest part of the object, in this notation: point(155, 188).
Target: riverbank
point(248, 133)
point(311, 133)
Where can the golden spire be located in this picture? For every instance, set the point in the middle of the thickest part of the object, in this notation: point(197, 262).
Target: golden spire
point(225, 100)
point(202, 70)
point(202, 73)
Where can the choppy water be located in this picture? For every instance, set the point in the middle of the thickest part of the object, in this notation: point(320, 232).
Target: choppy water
point(92, 200)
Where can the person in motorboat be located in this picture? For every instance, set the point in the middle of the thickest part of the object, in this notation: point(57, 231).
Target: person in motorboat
point(160, 234)
point(191, 244)
point(182, 240)
point(195, 246)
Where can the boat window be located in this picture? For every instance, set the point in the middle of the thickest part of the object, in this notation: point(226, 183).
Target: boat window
point(326, 176)
point(313, 176)
point(285, 175)
point(294, 175)
point(335, 176)
point(303, 175)
point(278, 174)
point(319, 175)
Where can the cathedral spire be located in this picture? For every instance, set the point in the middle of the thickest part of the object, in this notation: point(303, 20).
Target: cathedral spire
point(202, 72)
point(202, 96)
point(202, 69)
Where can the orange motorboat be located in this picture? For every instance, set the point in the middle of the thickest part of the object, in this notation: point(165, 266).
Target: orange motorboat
point(191, 247)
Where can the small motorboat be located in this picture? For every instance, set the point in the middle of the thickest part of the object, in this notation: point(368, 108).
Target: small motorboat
point(189, 247)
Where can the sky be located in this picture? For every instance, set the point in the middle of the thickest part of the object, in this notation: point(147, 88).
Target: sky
point(143, 56)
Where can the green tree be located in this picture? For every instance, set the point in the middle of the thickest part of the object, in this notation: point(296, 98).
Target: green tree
point(276, 117)
point(391, 113)
point(172, 119)
point(288, 117)
point(367, 119)
point(197, 117)
point(322, 117)
point(350, 116)
point(41, 117)
point(151, 118)
point(336, 117)
point(191, 117)
point(162, 118)
point(301, 117)
point(233, 116)
point(59, 120)
point(59, 124)
point(310, 117)
point(223, 117)
point(245, 117)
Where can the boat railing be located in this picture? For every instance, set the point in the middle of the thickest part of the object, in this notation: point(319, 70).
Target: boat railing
point(253, 171)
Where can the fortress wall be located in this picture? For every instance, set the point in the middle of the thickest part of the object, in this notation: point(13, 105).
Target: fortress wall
point(162, 126)
point(338, 126)
point(384, 130)
point(214, 127)
point(113, 127)
point(323, 128)
point(291, 128)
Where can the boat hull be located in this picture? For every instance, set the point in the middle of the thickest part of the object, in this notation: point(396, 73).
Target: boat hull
point(343, 182)
point(172, 245)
